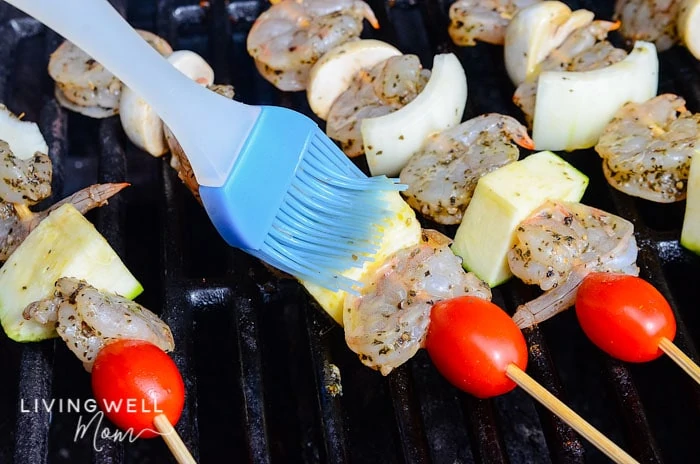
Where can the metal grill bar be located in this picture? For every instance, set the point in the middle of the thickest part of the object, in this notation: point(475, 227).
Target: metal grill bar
point(251, 379)
point(110, 223)
point(487, 442)
point(32, 429)
point(330, 408)
point(177, 313)
point(408, 418)
point(35, 367)
point(637, 430)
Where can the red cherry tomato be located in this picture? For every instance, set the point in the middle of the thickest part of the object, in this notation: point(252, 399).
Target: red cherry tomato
point(624, 315)
point(133, 381)
point(471, 342)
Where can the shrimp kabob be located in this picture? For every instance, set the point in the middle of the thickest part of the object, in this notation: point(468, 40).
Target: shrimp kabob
point(116, 338)
point(389, 320)
point(42, 253)
point(560, 61)
point(26, 180)
point(441, 178)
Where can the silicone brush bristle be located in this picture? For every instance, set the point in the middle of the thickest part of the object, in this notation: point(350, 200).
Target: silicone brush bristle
point(330, 220)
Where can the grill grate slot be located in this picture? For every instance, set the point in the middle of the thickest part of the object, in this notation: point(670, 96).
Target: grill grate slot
point(257, 354)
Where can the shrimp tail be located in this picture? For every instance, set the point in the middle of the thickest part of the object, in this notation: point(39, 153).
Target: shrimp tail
point(91, 197)
point(523, 139)
point(369, 16)
point(518, 133)
point(83, 200)
point(552, 302)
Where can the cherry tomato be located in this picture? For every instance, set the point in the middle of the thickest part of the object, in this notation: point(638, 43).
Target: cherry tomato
point(133, 381)
point(472, 341)
point(624, 315)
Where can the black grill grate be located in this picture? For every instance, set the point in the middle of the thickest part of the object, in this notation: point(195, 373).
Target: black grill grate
point(257, 354)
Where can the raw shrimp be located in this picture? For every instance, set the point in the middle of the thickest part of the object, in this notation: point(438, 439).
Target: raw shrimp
point(647, 148)
point(24, 182)
point(84, 85)
point(82, 80)
point(585, 49)
point(387, 324)
point(442, 176)
point(86, 319)
point(386, 87)
point(484, 20)
point(561, 243)
point(287, 39)
point(17, 221)
point(649, 20)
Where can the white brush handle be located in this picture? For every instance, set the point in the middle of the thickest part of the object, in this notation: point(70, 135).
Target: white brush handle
point(210, 128)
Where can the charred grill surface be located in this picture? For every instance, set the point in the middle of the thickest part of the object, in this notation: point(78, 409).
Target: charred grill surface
point(257, 356)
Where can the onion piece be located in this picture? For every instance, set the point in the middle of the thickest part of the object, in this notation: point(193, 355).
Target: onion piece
point(572, 108)
point(23, 137)
point(333, 73)
point(390, 140)
point(534, 32)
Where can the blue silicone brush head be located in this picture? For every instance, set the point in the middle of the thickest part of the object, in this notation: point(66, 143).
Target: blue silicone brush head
point(294, 200)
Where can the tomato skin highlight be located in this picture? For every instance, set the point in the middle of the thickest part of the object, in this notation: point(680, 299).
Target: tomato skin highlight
point(624, 315)
point(472, 341)
point(140, 372)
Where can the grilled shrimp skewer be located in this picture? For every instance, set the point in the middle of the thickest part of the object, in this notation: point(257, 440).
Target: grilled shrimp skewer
point(649, 20)
point(287, 39)
point(558, 245)
point(17, 221)
point(472, 20)
point(585, 49)
point(387, 324)
point(441, 178)
point(86, 319)
point(647, 148)
point(386, 87)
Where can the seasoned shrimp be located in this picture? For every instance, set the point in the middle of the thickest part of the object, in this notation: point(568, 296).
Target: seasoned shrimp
point(585, 49)
point(647, 148)
point(17, 221)
point(86, 319)
point(84, 85)
point(484, 20)
point(561, 243)
point(386, 87)
point(649, 20)
point(387, 324)
point(287, 39)
point(442, 176)
point(24, 182)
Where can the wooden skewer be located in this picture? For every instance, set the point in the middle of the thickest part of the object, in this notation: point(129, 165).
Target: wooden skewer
point(576, 422)
point(680, 358)
point(172, 439)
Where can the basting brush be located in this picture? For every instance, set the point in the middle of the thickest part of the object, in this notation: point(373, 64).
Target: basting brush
point(272, 183)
